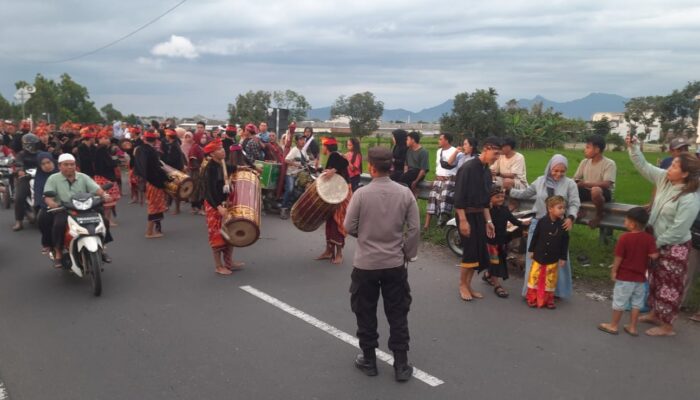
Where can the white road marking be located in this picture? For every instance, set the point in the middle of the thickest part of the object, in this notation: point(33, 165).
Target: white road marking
point(333, 331)
point(3, 392)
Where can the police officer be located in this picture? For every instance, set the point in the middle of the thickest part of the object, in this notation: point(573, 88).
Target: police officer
point(380, 261)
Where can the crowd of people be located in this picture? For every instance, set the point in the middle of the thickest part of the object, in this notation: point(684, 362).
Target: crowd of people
point(479, 182)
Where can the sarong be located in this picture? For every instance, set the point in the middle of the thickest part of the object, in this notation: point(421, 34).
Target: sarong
point(541, 284)
point(667, 281)
point(156, 202)
point(497, 260)
point(441, 197)
point(475, 255)
point(113, 192)
point(565, 286)
point(214, 221)
point(335, 224)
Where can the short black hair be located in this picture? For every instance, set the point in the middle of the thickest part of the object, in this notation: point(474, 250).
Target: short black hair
point(639, 215)
point(597, 141)
point(491, 141)
point(508, 141)
point(380, 158)
point(310, 129)
point(447, 136)
point(155, 124)
point(415, 136)
point(202, 123)
point(331, 147)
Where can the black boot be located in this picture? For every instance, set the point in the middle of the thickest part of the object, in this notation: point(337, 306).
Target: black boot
point(402, 369)
point(366, 364)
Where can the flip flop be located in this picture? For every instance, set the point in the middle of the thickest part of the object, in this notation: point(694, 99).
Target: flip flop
point(653, 333)
point(695, 318)
point(465, 298)
point(605, 329)
point(629, 332)
point(486, 279)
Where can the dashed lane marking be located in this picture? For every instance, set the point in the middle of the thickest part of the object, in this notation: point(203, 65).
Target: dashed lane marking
point(333, 331)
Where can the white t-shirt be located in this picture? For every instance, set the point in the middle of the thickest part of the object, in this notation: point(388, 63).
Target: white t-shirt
point(295, 155)
point(446, 154)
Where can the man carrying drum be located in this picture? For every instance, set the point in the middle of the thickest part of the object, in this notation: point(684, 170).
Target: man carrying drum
point(215, 176)
point(335, 231)
point(147, 166)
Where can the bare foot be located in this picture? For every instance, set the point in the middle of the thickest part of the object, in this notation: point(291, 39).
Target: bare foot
point(631, 331)
point(221, 270)
point(325, 256)
point(112, 224)
point(337, 260)
point(477, 295)
point(133, 201)
point(465, 294)
point(175, 212)
point(236, 266)
point(154, 236)
point(660, 331)
point(695, 317)
point(649, 319)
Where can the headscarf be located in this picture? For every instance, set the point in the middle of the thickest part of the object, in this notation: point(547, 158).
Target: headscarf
point(41, 177)
point(185, 147)
point(556, 159)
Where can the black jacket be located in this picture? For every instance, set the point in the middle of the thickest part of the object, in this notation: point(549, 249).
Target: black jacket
point(550, 242)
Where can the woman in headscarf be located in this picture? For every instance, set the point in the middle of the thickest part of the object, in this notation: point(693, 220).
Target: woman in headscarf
point(47, 167)
point(553, 183)
point(399, 150)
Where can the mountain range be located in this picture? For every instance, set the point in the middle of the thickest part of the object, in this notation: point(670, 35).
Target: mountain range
point(582, 108)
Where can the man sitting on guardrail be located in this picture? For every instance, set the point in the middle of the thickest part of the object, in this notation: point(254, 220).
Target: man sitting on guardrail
point(595, 177)
point(416, 162)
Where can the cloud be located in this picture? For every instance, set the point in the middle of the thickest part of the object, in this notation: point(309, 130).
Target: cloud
point(153, 62)
point(176, 47)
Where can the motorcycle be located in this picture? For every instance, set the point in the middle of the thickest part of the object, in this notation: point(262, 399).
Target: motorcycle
point(85, 234)
point(6, 189)
point(454, 240)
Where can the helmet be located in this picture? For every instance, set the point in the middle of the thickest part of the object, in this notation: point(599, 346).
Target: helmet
point(30, 142)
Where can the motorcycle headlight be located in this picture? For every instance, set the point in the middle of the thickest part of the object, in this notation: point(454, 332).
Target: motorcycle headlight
point(82, 205)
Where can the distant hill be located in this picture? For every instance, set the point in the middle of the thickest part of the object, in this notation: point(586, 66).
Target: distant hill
point(583, 108)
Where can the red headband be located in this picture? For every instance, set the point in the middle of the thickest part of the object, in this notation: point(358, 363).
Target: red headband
point(213, 146)
point(329, 141)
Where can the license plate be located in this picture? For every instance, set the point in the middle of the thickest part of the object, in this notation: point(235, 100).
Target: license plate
point(88, 219)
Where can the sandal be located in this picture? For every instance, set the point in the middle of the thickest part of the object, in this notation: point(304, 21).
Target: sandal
point(486, 277)
point(629, 332)
point(500, 292)
point(604, 328)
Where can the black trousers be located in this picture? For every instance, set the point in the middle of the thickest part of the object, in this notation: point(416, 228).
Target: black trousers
point(22, 191)
point(396, 294)
point(45, 222)
point(407, 177)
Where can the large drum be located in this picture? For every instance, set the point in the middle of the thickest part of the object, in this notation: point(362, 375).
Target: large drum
point(269, 175)
point(179, 184)
point(241, 226)
point(319, 202)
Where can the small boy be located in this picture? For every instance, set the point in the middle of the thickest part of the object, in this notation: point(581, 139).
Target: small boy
point(549, 250)
point(633, 252)
point(497, 246)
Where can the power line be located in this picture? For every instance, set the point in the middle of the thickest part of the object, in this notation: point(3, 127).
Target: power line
point(146, 25)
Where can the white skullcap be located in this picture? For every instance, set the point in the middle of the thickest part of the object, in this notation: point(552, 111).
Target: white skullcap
point(65, 157)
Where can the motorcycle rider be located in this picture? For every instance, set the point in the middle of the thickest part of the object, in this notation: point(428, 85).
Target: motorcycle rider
point(24, 160)
point(24, 129)
point(65, 184)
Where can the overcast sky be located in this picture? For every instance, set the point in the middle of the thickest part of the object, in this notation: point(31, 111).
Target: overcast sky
point(411, 53)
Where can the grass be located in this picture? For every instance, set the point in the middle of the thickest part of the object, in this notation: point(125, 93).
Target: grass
point(630, 188)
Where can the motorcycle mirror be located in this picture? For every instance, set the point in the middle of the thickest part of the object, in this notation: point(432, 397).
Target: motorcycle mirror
point(107, 186)
point(50, 194)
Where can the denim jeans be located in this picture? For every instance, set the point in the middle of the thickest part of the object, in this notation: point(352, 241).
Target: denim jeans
point(289, 182)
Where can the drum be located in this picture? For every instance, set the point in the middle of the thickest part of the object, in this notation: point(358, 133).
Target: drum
point(241, 226)
point(269, 175)
point(179, 185)
point(319, 202)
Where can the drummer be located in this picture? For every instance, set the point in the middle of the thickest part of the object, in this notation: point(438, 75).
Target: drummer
point(147, 166)
point(216, 188)
point(335, 230)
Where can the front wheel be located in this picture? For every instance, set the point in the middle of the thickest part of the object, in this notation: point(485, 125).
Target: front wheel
point(92, 263)
point(454, 240)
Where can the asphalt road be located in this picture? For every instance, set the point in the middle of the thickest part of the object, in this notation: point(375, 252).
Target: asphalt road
point(167, 327)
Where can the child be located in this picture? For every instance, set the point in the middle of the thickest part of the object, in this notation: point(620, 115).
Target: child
point(497, 246)
point(632, 254)
point(548, 251)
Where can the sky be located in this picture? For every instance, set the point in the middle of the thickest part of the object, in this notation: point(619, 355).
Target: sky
point(411, 54)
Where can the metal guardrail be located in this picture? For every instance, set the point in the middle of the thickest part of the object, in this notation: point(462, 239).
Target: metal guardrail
point(613, 218)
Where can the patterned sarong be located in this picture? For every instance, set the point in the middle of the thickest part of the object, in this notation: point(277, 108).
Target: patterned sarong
point(667, 281)
point(541, 284)
point(441, 197)
point(335, 224)
point(214, 221)
point(113, 192)
point(156, 202)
